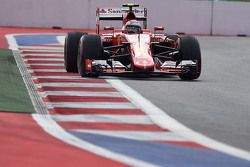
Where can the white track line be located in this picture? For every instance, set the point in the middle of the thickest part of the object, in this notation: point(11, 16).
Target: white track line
point(106, 105)
point(41, 48)
point(81, 93)
point(42, 54)
point(59, 77)
point(51, 127)
point(67, 84)
point(35, 97)
point(47, 70)
point(129, 119)
point(42, 59)
point(137, 135)
point(156, 114)
point(45, 60)
point(160, 118)
point(41, 51)
point(46, 64)
point(61, 40)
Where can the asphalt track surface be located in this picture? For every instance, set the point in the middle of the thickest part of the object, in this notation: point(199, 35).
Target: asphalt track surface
point(169, 103)
point(217, 105)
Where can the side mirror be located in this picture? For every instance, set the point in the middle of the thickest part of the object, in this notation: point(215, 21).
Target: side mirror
point(158, 28)
point(109, 28)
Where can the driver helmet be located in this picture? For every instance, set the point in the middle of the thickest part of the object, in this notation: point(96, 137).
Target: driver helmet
point(132, 27)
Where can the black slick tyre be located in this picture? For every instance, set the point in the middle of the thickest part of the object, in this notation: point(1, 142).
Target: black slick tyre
point(190, 50)
point(71, 50)
point(90, 48)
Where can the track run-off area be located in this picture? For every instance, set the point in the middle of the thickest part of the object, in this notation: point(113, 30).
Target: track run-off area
point(140, 121)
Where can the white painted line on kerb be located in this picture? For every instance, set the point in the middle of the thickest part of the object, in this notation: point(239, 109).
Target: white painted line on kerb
point(156, 114)
point(13, 44)
point(47, 64)
point(44, 59)
point(105, 105)
point(81, 93)
point(163, 120)
point(61, 39)
point(47, 70)
point(12, 41)
point(59, 77)
point(137, 135)
point(69, 84)
point(42, 54)
point(41, 51)
point(107, 118)
point(51, 127)
point(41, 47)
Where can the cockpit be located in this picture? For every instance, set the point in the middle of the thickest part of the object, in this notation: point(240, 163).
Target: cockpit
point(132, 27)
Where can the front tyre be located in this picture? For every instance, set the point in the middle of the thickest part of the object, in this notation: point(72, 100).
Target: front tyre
point(190, 50)
point(71, 50)
point(90, 48)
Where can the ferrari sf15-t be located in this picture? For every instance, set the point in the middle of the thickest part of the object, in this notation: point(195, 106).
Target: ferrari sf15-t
point(132, 49)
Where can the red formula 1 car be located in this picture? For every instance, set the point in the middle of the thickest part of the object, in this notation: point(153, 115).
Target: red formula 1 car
point(133, 49)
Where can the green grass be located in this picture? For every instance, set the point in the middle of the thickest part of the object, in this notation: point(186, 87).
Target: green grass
point(14, 96)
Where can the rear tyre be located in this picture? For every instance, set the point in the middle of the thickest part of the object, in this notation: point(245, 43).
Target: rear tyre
point(190, 50)
point(90, 48)
point(173, 37)
point(71, 50)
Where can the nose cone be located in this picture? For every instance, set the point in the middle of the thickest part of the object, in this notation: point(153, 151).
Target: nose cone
point(141, 52)
point(144, 63)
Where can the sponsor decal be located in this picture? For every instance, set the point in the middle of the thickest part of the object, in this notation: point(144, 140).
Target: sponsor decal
point(113, 11)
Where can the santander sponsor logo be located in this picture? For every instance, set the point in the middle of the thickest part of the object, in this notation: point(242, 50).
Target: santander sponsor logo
point(119, 11)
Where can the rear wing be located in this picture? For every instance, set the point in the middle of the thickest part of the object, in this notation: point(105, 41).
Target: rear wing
point(118, 14)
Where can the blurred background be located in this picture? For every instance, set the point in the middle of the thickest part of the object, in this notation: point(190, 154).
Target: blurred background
point(214, 17)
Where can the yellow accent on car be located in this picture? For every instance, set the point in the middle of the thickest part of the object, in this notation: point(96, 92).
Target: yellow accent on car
point(119, 40)
point(130, 4)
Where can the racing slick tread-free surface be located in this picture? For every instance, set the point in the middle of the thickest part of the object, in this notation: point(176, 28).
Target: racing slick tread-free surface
point(190, 50)
point(71, 50)
point(90, 48)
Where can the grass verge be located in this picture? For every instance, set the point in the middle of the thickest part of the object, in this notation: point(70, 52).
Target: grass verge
point(14, 96)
